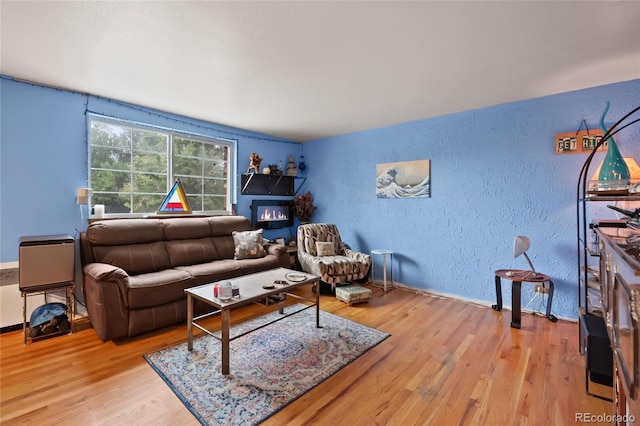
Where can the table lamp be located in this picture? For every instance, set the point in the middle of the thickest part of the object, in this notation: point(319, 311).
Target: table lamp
point(520, 246)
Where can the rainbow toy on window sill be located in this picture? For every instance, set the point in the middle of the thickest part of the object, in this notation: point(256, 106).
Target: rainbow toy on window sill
point(176, 201)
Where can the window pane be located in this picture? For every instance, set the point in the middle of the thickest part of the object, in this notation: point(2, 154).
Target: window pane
point(187, 166)
point(147, 203)
point(195, 202)
point(113, 203)
point(148, 162)
point(110, 158)
point(214, 203)
point(192, 185)
point(145, 182)
point(187, 147)
point(110, 135)
point(215, 186)
point(216, 152)
point(215, 169)
point(150, 141)
point(109, 181)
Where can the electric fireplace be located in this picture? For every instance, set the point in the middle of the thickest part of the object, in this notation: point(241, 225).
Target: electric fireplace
point(271, 214)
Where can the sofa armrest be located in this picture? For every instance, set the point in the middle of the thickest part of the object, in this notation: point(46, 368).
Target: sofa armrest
point(104, 271)
point(311, 264)
point(358, 256)
point(279, 251)
point(105, 292)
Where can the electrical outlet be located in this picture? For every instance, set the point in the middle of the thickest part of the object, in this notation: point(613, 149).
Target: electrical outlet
point(541, 289)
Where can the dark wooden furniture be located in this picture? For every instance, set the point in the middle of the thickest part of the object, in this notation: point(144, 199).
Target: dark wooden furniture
point(619, 278)
point(292, 251)
point(517, 277)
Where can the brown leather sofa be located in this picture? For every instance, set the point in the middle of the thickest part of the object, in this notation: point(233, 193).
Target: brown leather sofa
point(136, 270)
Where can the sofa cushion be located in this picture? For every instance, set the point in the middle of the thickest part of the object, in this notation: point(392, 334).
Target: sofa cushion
point(158, 288)
point(190, 252)
point(186, 228)
point(154, 317)
point(249, 266)
point(205, 273)
point(135, 258)
point(248, 244)
point(225, 247)
point(124, 231)
point(225, 225)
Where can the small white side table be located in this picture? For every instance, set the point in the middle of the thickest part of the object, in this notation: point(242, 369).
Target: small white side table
point(383, 253)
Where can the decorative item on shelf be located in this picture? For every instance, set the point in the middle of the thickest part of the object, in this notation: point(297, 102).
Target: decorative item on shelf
point(254, 163)
point(98, 211)
point(176, 201)
point(614, 173)
point(292, 170)
point(303, 207)
point(266, 170)
point(301, 164)
point(275, 170)
point(634, 177)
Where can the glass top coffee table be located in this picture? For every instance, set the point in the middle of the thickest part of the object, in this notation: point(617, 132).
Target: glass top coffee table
point(252, 289)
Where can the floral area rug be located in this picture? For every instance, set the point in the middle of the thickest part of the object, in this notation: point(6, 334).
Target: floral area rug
point(270, 367)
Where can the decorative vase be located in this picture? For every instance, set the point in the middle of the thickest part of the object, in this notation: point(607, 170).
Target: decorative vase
point(613, 167)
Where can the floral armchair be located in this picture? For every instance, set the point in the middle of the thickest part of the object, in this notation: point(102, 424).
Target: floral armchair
point(322, 252)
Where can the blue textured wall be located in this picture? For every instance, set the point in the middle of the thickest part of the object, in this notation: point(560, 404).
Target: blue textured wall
point(494, 176)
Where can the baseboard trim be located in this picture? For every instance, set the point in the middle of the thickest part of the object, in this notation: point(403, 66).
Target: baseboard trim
point(80, 323)
point(11, 328)
point(483, 303)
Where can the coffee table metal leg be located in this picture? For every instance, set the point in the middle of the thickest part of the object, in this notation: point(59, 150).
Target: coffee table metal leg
point(516, 313)
point(190, 321)
point(317, 304)
point(498, 305)
point(281, 303)
point(549, 315)
point(225, 317)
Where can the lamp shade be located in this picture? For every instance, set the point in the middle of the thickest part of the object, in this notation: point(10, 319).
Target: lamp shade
point(520, 245)
point(83, 194)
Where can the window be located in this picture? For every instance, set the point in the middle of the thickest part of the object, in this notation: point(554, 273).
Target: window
point(132, 167)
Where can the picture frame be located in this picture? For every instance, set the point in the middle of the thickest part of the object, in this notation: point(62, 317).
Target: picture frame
point(404, 179)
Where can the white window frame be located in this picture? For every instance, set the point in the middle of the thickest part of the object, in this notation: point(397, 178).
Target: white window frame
point(230, 144)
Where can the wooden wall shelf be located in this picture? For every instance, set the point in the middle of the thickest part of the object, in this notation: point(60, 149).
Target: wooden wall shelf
point(261, 184)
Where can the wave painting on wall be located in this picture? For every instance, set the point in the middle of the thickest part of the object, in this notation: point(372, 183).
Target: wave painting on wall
point(403, 179)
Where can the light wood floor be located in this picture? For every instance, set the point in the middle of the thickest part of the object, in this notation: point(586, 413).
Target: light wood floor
point(447, 362)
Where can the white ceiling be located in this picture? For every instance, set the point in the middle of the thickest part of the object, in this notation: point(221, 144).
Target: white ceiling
point(307, 70)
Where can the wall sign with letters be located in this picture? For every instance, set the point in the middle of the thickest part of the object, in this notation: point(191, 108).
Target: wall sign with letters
point(582, 141)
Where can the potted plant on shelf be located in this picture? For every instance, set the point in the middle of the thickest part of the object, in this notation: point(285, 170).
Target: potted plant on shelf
point(303, 207)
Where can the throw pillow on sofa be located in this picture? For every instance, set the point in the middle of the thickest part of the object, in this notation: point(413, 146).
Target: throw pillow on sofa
point(248, 244)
